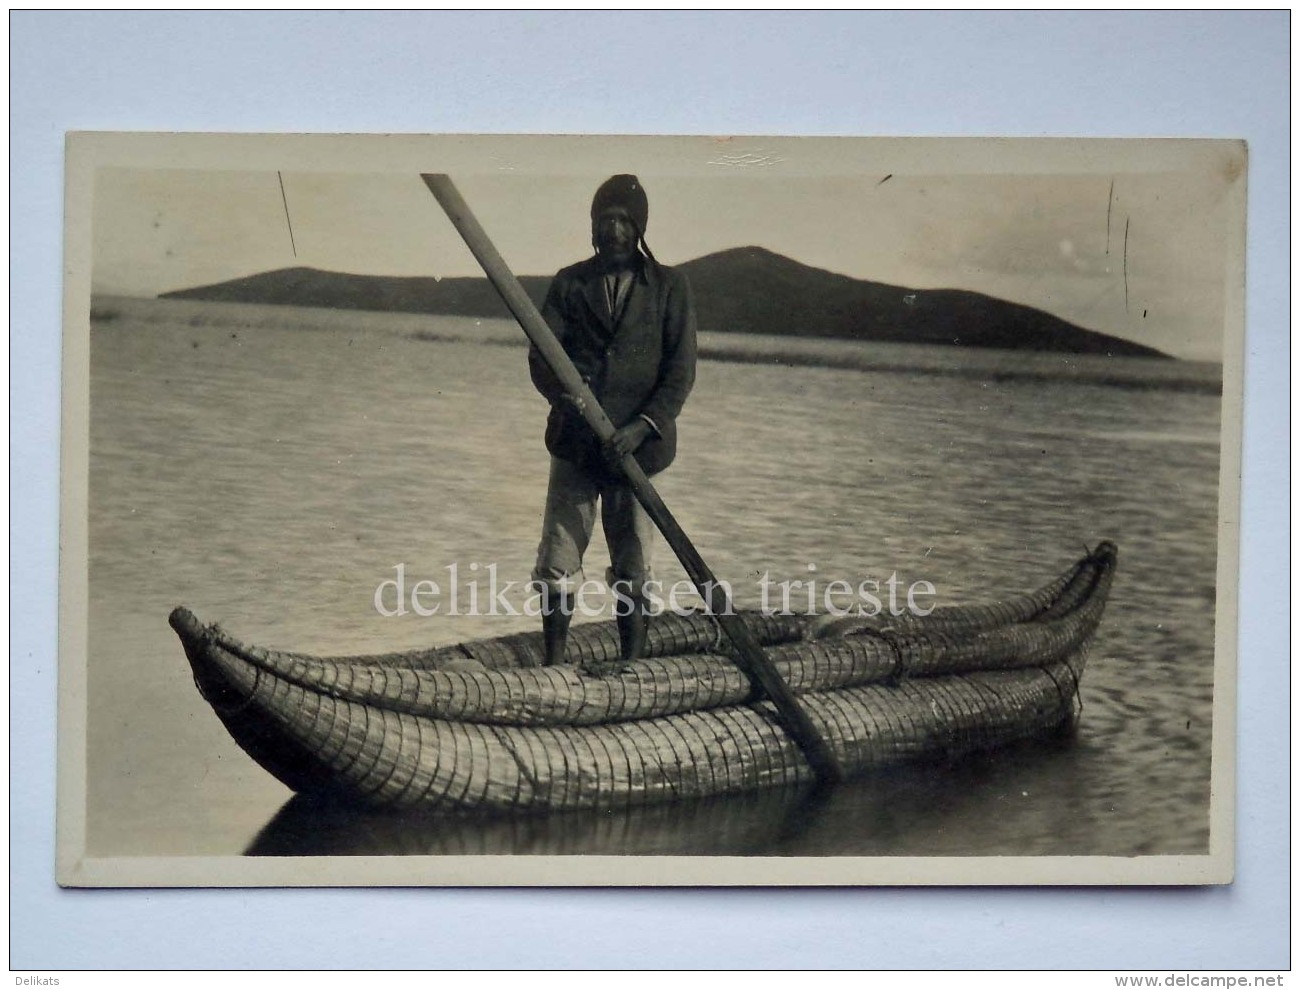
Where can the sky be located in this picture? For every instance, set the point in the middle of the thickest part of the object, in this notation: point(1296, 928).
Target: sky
point(1058, 242)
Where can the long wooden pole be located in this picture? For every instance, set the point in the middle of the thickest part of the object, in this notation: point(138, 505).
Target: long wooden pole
point(717, 597)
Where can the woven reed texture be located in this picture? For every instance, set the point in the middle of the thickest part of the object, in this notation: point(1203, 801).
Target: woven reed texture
point(957, 639)
point(314, 740)
point(380, 757)
point(667, 634)
point(672, 634)
point(562, 695)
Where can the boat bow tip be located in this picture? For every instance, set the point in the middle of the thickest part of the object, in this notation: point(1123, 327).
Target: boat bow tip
point(186, 624)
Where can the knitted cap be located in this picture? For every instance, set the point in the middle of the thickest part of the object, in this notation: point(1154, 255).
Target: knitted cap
point(624, 191)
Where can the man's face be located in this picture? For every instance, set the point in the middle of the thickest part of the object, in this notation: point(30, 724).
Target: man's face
point(615, 235)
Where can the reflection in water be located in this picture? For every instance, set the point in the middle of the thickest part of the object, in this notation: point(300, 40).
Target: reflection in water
point(740, 825)
point(900, 811)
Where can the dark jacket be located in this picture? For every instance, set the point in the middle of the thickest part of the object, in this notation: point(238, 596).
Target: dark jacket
point(643, 365)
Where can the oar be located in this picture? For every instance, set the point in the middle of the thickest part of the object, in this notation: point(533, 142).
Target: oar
point(716, 595)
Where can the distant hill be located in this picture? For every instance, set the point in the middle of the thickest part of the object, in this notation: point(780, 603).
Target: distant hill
point(339, 290)
point(749, 290)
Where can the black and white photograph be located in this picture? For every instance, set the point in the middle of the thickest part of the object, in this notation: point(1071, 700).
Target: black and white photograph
point(649, 511)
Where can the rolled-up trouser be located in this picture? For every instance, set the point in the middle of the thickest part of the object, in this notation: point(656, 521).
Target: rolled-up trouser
point(571, 499)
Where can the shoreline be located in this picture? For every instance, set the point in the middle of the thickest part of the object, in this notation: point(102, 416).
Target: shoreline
point(780, 350)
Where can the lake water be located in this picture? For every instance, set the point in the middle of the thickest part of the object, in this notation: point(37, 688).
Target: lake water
point(269, 468)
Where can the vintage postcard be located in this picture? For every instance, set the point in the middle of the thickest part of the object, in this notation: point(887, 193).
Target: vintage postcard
point(649, 511)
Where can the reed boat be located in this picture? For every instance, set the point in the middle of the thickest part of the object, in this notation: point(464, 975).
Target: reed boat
point(486, 726)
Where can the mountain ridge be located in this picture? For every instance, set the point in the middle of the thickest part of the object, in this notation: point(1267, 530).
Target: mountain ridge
point(748, 289)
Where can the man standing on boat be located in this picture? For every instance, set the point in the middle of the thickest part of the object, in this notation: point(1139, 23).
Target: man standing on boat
point(628, 324)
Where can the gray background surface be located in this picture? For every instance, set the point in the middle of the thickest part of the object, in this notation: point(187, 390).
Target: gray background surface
point(1019, 74)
